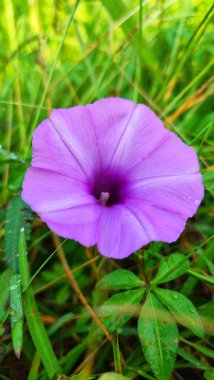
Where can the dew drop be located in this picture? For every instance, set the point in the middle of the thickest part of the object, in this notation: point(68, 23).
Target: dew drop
point(175, 296)
point(189, 198)
point(197, 202)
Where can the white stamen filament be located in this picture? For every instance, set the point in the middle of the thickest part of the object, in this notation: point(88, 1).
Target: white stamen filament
point(104, 198)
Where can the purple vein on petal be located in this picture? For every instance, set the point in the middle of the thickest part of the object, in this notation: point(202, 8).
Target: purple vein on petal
point(50, 170)
point(67, 144)
point(122, 134)
point(94, 129)
point(69, 208)
point(169, 209)
point(146, 201)
point(151, 180)
point(162, 141)
point(138, 220)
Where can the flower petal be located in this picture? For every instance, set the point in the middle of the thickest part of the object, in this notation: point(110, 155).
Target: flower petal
point(110, 118)
point(144, 133)
point(63, 203)
point(120, 232)
point(76, 131)
point(50, 153)
point(45, 191)
point(79, 223)
point(164, 204)
point(172, 157)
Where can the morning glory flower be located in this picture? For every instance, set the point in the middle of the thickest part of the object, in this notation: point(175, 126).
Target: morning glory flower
point(110, 174)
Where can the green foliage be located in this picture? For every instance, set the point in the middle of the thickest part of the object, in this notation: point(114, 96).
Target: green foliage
point(4, 281)
point(16, 313)
point(170, 268)
point(113, 376)
point(118, 309)
point(120, 279)
point(159, 337)
point(208, 179)
point(18, 214)
point(35, 325)
point(182, 309)
point(63, 53)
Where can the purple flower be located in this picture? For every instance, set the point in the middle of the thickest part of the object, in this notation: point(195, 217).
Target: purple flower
point(110, 174)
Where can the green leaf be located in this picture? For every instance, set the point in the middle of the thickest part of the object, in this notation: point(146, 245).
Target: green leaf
point(182, 309)
point(191, 359)
point(202, 349)
point(59, 323)
point(4, 286)
point(120, 279)
point(34, 370)
point(37, 330)
point(83, 375)
point(117, 9)
point(208, 180)
point(171, 267)
point(16, 313)
point(72, 357)
point(159, 337)
point(118, 309)
point(17, 215)
point(201, 277)
point(113, 376)
point(209, 374)
point(206, 312)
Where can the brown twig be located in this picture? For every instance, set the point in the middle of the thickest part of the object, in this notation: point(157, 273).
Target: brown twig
point(89, 357)
point(76, 287)
point(193, 100)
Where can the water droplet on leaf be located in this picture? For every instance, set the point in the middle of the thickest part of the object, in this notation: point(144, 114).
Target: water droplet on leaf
point(175, 296)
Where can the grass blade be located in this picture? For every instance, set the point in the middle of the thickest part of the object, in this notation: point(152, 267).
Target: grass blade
point(16, 313)
point(37, 330)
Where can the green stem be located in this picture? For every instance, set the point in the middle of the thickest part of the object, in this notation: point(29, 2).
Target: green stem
point(199, 276)
point(116, 353)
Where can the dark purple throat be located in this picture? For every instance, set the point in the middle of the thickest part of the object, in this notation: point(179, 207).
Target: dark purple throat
point(108, 188)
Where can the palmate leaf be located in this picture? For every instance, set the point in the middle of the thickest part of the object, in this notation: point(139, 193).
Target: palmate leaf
point(159, 337)
point(182, 309)
point(120, 279)
point(118, 309)
point(171, 267)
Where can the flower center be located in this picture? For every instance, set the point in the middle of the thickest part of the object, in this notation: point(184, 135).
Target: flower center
point(107, 188)
point(104, 198)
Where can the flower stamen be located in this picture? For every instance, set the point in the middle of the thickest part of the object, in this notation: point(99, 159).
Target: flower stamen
point(104, 196)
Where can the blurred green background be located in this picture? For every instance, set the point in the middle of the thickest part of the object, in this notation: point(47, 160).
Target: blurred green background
point(56, 53)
